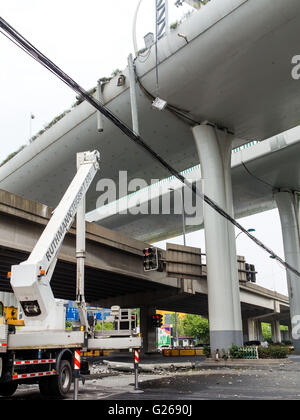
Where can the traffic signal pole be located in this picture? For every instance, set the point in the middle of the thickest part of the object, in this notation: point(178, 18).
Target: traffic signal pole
point(148, 331)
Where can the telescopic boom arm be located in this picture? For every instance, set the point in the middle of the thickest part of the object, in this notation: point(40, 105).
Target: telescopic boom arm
point(30, 280)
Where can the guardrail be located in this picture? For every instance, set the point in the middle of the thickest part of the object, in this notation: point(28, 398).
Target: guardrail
point(244, 353)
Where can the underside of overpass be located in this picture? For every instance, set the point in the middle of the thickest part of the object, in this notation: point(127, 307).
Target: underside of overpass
point(114, 273)
point(257, 171)
point(106, 288)
point(99, 284)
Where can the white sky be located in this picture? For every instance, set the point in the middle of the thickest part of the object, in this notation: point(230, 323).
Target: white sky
point(89, 40)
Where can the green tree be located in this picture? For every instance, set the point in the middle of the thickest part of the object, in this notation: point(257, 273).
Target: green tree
point(179, 324)
point(137, 313)
point(195, 326)
point(266, 331)
point(106, 326)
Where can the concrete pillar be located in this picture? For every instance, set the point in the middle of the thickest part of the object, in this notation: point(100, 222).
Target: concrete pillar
point(289, 215)
point(290, 337)
point(148, 332)
point(255, 330)
point(245, 330)
point(251, 330)
point(285, 335)
point(259, 331)
point(276, 334)
point(214, 150)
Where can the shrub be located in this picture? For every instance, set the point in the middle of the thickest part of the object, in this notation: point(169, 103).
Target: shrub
point(68, 325)
point(174, 25)
point(9, 157)
point(106, 326)
point(264, 353)
point(278, 352)
point(236, 352)
point(206, 351)
point(273, 352)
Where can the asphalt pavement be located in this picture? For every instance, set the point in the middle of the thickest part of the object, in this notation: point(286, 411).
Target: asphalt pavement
point(206, 382)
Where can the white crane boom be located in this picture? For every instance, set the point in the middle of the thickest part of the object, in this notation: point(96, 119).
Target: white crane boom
point(30, 280)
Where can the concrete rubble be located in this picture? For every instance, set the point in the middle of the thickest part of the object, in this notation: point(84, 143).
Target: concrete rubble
point(109, 366)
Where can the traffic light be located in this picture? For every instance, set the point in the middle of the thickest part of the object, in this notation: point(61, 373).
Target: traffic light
point(153, 260)
point(153, 321)
point(252, 274)
point(133, 322)
point(157, 321)
point(150, 259)
point(248, 274)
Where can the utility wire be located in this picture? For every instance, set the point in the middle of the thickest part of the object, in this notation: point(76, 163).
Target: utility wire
point(256, 177)
point(182, 114)
point(26, 46)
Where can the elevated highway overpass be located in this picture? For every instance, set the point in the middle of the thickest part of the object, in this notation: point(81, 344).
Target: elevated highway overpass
point(235, 71)
point(114, 269)
point(258, 170)
point(226, 73)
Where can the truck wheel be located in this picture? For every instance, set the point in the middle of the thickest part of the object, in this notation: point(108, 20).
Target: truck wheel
point(8, 389)
point(60, 385)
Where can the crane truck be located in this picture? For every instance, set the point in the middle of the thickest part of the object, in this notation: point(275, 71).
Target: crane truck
point(39, 349)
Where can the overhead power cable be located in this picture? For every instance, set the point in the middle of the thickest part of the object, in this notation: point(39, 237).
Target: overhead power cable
point(26, 46)
point(180, 113)
point(257, 178)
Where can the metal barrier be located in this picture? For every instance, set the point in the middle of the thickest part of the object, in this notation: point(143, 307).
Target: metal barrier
point(124, 324)
point(183, 352)
point(246, 353)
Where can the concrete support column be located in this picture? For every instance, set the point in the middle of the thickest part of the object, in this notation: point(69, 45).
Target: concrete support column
point(289, 215)
point(251, 330)
point(285, 335)
point(290, 337)
point(259, 331)
point(276, 334)
point(245, 324)
point(214, 150)
point(148, 332)
point(255, 330)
